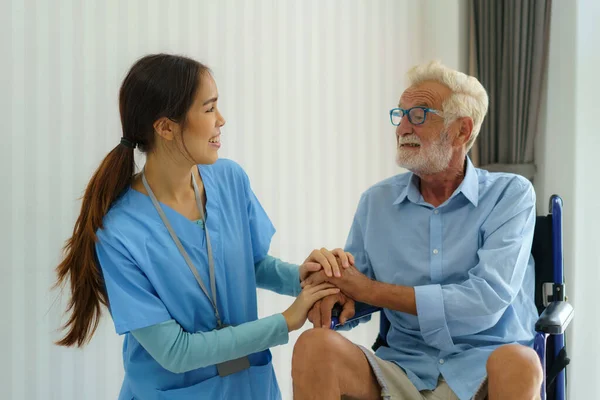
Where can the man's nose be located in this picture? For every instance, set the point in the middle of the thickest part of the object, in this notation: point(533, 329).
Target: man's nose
point(404, 128)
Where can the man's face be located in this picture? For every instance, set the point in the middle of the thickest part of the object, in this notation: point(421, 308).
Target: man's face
point(424, 148)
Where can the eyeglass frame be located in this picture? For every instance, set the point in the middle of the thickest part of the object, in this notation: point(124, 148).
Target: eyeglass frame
point(407, 113)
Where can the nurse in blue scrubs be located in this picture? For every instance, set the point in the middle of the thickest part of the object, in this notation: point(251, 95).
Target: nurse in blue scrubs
point(177, 251)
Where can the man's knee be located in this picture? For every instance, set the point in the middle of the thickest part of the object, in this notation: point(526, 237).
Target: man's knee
point(514, 361)
point(325, 360)
point(315, 343)
point(315, 348)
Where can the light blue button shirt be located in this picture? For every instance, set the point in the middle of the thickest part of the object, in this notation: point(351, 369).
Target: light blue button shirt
point(470, 263)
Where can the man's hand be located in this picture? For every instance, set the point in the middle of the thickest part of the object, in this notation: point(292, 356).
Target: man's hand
point(332, 262)
point(320, 314)
point(352, 282)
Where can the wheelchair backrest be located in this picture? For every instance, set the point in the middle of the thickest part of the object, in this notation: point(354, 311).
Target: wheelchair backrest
point(542, 255)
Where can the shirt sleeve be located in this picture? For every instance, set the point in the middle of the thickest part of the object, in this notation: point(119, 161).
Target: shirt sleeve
point(278, 276)
point(261, 228)
point(478, 303)
point(133, 301)
point(355, 245)
point(178, 351)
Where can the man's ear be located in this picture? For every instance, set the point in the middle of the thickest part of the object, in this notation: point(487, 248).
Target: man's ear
point(166, 128)
point(465, 130)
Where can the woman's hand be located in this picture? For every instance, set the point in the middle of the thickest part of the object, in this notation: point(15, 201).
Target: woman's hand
point(296, 315)
point(330, 261)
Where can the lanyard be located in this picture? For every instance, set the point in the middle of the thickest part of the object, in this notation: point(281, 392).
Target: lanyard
point(211, 264)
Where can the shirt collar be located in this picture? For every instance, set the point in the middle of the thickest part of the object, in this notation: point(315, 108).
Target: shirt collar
point(469, 187)
point(410, 191)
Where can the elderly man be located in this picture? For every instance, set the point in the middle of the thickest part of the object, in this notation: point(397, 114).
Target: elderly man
point(446, 250)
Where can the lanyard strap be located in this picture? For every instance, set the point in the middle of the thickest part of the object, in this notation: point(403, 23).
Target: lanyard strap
point(211, 265)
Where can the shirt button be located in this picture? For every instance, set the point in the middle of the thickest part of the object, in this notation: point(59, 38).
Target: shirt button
point(436, 211)
point(441, 361)
point(435, 251)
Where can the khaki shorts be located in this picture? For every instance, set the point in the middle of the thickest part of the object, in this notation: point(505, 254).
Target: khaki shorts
point(395, 385)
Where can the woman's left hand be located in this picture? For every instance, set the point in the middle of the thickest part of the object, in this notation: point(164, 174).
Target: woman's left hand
point(308, 268)
point(325, 259)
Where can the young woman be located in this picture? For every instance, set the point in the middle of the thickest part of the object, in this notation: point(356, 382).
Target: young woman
point(177, 251)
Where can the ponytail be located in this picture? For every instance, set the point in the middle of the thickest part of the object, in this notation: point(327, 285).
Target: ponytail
point(88, 293)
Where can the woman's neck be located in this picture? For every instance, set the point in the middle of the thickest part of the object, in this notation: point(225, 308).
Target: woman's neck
point(171, 181)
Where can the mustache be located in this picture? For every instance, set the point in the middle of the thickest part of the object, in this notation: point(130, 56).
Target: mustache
point(410, 139)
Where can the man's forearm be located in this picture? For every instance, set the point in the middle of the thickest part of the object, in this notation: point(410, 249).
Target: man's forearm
point(392, 297)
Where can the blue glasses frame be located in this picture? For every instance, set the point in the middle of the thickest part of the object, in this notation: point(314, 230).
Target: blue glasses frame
point(401, 112)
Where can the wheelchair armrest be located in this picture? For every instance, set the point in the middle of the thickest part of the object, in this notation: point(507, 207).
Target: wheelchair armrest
point(555, 318)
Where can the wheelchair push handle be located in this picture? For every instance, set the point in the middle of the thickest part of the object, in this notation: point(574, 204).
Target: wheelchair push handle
point(336, 311)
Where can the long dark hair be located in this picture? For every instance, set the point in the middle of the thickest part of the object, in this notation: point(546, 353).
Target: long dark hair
point(157, 86)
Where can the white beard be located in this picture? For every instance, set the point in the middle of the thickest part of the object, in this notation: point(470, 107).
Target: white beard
point(428, 161)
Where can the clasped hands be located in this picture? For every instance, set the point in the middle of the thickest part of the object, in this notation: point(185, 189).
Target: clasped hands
point(335, 267)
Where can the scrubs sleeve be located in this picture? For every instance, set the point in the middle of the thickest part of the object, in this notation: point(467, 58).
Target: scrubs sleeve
point(179, 351)
point(278, 276)
point(133, 301)
point(261, 228)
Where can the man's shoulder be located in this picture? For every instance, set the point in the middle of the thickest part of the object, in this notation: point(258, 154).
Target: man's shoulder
point(503, 182)
point(391, 186)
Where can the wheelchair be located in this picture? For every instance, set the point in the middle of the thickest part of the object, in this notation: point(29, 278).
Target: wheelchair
point(554, 310)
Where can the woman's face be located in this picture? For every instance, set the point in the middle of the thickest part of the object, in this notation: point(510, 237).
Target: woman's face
point(202, 128)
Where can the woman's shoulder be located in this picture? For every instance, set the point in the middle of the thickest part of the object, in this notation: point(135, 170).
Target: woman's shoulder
point(225, 166)
point(123, 219)
point(226, 171)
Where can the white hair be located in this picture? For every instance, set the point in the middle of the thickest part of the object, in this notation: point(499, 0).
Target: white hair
point(468, 99)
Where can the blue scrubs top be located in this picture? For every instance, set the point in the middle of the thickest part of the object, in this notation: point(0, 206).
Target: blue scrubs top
point(148, 282)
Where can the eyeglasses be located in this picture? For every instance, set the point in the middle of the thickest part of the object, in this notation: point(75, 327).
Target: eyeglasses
point(416, 115)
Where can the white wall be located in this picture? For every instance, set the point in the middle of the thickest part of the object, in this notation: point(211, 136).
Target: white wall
point(568, 165)
point(305, 87)
point(444, 28)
